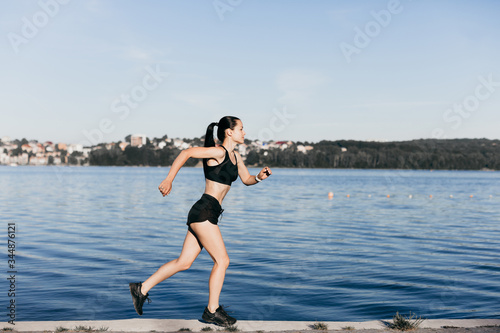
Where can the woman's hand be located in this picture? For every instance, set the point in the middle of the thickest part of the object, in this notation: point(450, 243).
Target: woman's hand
point(165, 187)
point(264, 173)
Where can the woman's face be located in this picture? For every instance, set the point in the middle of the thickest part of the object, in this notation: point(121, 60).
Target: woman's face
point(238, 134)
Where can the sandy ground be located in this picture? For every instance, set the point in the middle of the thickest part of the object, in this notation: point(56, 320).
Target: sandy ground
point(173, 325)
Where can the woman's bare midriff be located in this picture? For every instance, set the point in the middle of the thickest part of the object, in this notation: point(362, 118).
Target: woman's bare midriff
point(217, 190)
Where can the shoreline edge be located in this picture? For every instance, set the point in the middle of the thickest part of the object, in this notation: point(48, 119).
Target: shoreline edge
point(195, 325)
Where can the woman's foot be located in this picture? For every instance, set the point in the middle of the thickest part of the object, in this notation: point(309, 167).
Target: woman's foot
point(219, 317)
point(137, 297)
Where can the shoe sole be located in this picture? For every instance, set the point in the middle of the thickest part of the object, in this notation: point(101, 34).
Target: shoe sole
point(209, 321)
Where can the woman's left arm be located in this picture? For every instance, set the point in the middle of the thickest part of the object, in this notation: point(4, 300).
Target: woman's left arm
point(245, 176)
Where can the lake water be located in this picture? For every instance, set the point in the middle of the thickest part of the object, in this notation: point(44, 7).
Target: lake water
point(84, 233)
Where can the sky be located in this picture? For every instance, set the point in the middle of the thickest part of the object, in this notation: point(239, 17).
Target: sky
point(95, 71)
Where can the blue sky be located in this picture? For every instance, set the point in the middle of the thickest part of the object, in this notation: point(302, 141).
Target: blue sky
point(94, 71)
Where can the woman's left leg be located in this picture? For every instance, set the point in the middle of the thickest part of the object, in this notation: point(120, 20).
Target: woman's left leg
point(190, 250)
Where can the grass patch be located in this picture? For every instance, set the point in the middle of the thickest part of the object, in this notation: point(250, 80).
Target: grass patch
point(402, 323)
point(348, 328)
point(184, 329)
point(61, 329)
point(320, 326)
point(231, 328)
point(207, 329)
point(7, 329)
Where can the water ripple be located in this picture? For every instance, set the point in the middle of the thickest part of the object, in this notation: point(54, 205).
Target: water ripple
point(85, 233)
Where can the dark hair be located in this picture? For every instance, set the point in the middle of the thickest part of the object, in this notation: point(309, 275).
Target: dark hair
point(223, 124)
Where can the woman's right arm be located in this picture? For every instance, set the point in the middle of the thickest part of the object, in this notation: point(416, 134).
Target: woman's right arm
point(195, 152)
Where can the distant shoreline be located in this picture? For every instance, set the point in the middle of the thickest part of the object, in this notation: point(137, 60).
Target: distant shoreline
point(249, 166)
point(429, 154)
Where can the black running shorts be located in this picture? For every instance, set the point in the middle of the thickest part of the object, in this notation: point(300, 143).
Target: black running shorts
point(206, 209)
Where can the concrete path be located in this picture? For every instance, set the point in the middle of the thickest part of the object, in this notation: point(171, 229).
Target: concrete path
point(174, 325)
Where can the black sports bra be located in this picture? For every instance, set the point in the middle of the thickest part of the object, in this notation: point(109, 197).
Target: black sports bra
point(224, 173)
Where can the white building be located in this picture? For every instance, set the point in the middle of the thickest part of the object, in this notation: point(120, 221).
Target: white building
point(304, 149)
point(4, 158)
point(181, 144)
point(75, 147)
point(138, 140)
point(242, 149)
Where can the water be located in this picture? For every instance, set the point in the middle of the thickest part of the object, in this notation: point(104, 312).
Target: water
point(84, 233)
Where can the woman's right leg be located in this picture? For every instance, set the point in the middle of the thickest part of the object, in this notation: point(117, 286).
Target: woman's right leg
point(190, 251)
point(211, 238)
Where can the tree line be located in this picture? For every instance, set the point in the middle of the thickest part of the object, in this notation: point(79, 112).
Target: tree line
point(457, 154)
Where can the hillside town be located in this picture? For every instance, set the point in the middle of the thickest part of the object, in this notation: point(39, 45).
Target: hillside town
point(24, 152)
point(139, 150)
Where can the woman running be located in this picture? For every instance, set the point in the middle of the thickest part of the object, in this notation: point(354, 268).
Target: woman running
point(221, 165)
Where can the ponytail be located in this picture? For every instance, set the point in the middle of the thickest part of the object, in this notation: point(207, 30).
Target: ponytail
point(209, 136)
point(223, 124)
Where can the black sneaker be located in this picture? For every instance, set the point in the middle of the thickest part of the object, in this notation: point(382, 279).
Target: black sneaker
point(137, 297)
point(220, 317)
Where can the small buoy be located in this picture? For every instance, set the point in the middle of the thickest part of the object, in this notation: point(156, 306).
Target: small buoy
point(369, 195)
point(410, 196)
point(451, 196)
point(348, 195)
point(388, 195)
point(471, 196)
point(430, 196)
point(491, 196)
point(330, 195)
